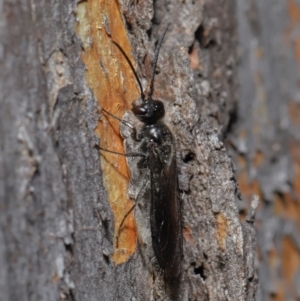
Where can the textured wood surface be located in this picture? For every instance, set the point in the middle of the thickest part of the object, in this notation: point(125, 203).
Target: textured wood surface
point(59, 213)
point(264, 140)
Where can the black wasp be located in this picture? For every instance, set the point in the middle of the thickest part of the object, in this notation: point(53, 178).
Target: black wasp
point(158, 155)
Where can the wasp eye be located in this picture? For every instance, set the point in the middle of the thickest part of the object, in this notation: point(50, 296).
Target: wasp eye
point(139, 110)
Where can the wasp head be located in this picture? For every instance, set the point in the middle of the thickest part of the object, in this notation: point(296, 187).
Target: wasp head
point(148, 111)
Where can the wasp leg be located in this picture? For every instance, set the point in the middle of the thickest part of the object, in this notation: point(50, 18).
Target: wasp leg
point(120, 154)
point(119, 119)
point(134, 134)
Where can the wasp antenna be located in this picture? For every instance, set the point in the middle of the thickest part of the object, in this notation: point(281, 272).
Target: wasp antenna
point(151, 87)
point(132, 68)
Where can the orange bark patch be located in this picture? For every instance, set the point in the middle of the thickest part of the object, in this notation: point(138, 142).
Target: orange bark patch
point(294, 11)
point(258, 53)
point(297, 48)
point(294, 113)
point(194, 59)
point(296, 159)
point(273, 258)
point(278, 293)
point(114, 86)
point(288, 204)
point(222, 230)
point(290, 264)
point(55, 278)
point(258, 158)
point(287, 207)
point(187, 233)
point(247, 187)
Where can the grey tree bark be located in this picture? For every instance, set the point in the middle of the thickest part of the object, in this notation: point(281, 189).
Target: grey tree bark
point(264, 139)
point(57, 238)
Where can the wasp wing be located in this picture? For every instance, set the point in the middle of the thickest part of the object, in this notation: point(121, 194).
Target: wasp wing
point(165, 213)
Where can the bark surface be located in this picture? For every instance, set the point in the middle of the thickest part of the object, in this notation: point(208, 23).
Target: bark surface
point(60, 207)
point(264, 138)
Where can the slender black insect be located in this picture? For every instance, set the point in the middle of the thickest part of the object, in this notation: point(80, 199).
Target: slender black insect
point(158, 155)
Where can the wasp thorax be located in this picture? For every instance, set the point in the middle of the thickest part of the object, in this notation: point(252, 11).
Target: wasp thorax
point(148, 111)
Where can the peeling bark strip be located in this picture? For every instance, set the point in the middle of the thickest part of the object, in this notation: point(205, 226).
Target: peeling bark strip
point(114, 87)
point(57, 220)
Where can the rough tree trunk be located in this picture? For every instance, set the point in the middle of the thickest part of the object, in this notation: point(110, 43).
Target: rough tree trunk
point(264, 139)
point(62, 201)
